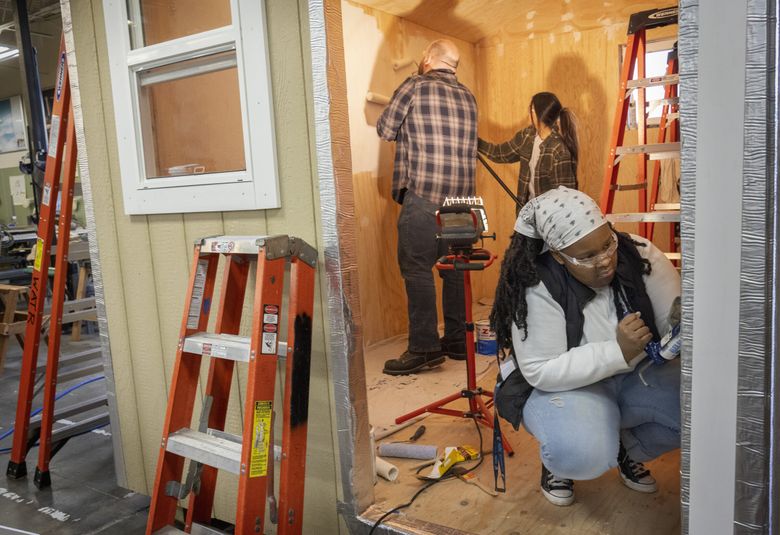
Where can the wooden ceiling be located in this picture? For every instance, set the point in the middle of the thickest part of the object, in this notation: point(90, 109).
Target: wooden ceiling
point(475, 20)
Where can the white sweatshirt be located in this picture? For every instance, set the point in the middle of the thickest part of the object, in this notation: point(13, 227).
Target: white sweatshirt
point(543, 356)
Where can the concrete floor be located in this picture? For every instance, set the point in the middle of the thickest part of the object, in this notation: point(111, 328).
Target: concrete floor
point(84, 497)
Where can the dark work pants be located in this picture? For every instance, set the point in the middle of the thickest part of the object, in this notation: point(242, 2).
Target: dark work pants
point(418, 250)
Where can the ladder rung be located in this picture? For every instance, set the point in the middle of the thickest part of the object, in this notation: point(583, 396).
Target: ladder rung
point(656, 151)
point(78, 428)
point(667, 206)
point(67, 412)
point(210, 450)
point(225, 346)
point(628, 187)
point(668, 79)
point(645, 217)
point(673, 256)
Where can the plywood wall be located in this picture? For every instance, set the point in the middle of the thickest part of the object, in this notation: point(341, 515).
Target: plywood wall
point(504, 72)
point(145, 259)
point(372, 41)
point(582, 69)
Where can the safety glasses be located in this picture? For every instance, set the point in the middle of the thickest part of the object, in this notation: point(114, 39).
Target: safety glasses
point(593, 261)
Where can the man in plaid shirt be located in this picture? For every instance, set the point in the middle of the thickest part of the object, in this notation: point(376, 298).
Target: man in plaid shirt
point(433, 120)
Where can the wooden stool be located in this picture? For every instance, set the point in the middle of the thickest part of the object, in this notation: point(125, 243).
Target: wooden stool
point(13, 321)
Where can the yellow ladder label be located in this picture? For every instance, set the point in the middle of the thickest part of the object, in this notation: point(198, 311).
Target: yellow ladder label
point(261, 439)
point(38, 254)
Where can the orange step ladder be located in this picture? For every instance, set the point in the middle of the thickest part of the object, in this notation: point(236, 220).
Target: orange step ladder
point(209, 448)
point(665, 146)
point(61, 160)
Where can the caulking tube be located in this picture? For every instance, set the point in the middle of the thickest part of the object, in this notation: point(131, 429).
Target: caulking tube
point(386, 470)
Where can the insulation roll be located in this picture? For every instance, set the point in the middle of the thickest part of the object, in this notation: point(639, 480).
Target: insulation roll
point(386, 470)
point(408, 451)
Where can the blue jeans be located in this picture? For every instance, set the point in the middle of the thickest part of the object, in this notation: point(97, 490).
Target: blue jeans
point(418, 251)
point(579, 430)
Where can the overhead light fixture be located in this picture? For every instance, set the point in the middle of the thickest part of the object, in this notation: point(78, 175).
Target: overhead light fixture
point(7, 52)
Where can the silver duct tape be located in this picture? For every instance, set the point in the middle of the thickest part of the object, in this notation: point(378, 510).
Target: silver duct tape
point(688, 46)
point(341, 273)
point(94, 252)
point(752, 501)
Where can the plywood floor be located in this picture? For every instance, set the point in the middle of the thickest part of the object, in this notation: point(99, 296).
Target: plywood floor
point(603, 506)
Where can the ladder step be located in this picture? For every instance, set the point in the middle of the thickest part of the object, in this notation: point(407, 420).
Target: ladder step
point(673, 256)
point(224, 346)
point(217, 451)
point(645, 217)
point(655, 151)
point(668, 79)
point(79, 428)
point(197, 529)
point(67, 412)
point(667, 206)
point(232, 244)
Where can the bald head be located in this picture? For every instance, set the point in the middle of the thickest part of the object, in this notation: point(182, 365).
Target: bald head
point(440, 54)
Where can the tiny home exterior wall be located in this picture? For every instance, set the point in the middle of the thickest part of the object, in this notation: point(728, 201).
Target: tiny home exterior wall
point(145, 260)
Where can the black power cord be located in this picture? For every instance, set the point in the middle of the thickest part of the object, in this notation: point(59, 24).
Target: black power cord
point(446, 477)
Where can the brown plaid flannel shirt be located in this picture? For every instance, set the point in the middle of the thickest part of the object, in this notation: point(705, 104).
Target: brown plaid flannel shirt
point(554, 168)
point(433, 120)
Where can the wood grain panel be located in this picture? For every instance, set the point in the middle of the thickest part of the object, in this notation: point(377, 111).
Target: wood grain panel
point(474, 20)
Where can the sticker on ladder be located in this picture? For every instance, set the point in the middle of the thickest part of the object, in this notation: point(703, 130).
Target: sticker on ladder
point(268, 346)
point(193, 314)
point(261, 439)
point(38, 255)
point(54, 134)
point(46, 194)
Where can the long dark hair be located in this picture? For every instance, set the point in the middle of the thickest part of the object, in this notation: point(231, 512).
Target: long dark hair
point(518, 273)
point(549, 110)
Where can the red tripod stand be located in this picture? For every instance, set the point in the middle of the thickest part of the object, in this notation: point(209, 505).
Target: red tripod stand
point(465, 261)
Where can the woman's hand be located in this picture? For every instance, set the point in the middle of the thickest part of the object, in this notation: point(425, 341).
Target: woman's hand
point(632, 336)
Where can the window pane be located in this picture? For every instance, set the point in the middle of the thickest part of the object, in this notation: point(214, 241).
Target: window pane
point(155, 21)
point(191, 117)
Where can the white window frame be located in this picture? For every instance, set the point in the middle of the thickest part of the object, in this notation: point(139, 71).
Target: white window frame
point(255, 188)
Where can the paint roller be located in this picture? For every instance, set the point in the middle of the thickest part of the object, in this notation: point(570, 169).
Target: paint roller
point(408, 451)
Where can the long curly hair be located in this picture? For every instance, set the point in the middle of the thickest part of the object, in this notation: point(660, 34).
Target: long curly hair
point(518, 273)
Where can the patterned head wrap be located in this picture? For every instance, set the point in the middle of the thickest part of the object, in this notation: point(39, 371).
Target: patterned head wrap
point(560, 217)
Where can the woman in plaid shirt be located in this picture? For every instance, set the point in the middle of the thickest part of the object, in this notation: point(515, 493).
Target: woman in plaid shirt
point(547, 150)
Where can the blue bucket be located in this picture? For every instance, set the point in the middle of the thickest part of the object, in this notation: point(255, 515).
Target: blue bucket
point(486, 338)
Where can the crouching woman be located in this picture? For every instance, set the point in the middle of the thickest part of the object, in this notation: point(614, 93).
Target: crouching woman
point(576, 305)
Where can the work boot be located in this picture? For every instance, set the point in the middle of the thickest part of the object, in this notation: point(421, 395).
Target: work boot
point(634, 475)
point(411, 362)
point(455, 349)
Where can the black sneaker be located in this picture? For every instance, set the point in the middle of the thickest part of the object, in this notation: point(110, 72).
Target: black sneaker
point(413, 362)
point(557, 490)
point(456, 350)
point(634, 475)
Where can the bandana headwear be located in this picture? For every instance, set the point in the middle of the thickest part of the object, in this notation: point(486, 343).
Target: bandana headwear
point(560, 217)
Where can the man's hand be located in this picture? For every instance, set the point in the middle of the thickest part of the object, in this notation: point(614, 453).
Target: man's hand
point(632, 336)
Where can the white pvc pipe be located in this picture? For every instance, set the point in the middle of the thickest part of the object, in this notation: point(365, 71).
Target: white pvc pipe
point(386, 470)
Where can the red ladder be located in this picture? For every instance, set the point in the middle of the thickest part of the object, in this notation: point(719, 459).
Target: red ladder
point(250, 456)
point(664, 148)
point(61, 160)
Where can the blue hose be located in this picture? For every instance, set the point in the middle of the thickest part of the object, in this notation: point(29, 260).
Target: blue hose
point(58, 396)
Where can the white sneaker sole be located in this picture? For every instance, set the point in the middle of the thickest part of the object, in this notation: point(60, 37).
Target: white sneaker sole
point(557, 500)
point(639, 487)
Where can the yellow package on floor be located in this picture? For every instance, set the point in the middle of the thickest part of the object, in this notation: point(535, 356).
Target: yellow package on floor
point(452, 456)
